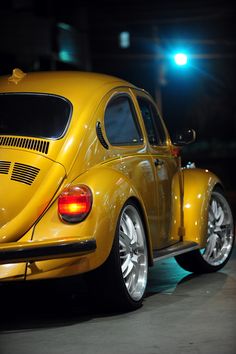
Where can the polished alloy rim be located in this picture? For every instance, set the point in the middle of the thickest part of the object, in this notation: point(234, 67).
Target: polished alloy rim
point(133, 252)
point(220, 231)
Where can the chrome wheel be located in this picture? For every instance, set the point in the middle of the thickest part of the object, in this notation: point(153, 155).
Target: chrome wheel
point(133, 252)
point(220, 231)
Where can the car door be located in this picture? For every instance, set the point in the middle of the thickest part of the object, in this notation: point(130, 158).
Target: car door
point(165, 166)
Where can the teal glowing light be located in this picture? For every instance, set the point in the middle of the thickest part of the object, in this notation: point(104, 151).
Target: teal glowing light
point(65, 56)
point(124, 39)
point(180, 59)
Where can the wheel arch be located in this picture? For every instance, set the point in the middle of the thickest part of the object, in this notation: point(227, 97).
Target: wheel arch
point(198, 186)
point(140, 208)
point(219, 186)
point(108, 200)
point(219, 246)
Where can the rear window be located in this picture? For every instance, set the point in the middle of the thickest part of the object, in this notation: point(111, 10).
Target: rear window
point(35, 115)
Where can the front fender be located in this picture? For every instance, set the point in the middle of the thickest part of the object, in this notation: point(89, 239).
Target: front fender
point(198, 185)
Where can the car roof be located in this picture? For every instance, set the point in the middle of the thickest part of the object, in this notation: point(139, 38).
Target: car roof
point(70, 84)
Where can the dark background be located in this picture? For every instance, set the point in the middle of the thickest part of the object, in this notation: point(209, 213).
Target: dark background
point(84, 35)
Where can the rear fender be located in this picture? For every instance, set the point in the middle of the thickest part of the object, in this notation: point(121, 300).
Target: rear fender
point(198, 186)
point(109, 196)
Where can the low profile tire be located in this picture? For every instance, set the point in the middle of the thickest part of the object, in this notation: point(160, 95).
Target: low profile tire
point(120, 282)
point(219, 240)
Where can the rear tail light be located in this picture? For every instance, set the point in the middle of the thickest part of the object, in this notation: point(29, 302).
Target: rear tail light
point(74, 203)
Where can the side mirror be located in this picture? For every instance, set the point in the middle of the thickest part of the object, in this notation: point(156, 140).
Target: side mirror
point(183, 138)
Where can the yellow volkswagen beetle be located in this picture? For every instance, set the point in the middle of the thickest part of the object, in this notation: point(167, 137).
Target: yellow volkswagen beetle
point(90, 182)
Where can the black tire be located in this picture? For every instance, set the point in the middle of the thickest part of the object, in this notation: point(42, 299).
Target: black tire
point(109, 284)
point(219, 240)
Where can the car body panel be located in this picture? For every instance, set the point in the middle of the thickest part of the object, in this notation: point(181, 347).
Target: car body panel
point(26, 190)
point(166, 196)
point(198, 185)
point(15, 271)
point(107, 201)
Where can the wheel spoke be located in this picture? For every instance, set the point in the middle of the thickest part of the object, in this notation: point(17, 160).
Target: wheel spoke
point(127, 267)
point(124, 240)
point(223, 231)
point(219, 216)
point(123, 225)
point(214, 206)
point(125, 264)
point(131, 229)
point(211, 215)
point(211, 243)
point(133, 277)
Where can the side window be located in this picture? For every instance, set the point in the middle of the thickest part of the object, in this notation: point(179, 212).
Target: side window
point(154, 127)
point(121, 123)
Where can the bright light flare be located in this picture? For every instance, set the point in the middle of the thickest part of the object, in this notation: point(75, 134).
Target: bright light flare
point(180, 59)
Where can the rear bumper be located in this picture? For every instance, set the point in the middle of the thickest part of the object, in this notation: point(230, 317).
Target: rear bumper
point(42, 250)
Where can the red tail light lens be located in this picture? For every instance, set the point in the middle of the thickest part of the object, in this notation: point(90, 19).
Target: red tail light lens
point(74, 204)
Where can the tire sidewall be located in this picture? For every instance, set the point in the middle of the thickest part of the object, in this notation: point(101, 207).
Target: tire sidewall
point(209, 267)
point(114, 259)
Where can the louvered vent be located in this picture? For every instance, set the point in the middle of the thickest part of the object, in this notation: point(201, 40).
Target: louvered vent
point(4, 167)
point(25, 143)
point(24, 173)
point(100, 135)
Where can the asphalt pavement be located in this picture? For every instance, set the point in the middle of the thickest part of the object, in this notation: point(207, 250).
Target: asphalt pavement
point(181, 314)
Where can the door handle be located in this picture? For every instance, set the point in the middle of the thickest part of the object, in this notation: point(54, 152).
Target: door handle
point(158, 162)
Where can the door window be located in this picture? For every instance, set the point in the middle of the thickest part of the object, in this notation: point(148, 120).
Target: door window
point(121, 122)
point(154, 127)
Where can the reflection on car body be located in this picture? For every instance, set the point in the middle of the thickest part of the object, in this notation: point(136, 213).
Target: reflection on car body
point(91, 183)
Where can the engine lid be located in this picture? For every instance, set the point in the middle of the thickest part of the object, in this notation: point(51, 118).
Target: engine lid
point(28, 182)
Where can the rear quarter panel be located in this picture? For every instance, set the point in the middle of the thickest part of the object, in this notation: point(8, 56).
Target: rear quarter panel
point(111, 189)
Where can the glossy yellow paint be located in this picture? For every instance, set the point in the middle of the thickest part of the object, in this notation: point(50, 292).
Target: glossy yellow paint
point(28, 214)
point(22, 204)
point(198, 185)
point(108, 199)
point(15, 271)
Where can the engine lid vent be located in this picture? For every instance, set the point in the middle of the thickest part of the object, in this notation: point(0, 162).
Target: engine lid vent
point(25, 143)
point(5, 167)
point(24, 173)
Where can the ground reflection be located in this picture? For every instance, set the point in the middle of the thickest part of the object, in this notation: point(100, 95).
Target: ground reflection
point(64, 303)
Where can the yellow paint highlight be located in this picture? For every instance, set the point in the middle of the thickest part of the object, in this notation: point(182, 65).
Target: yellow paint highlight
point(30, 213)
